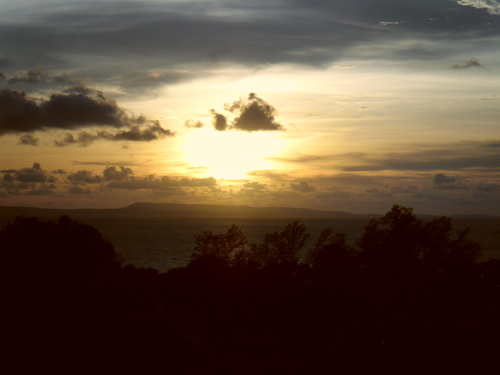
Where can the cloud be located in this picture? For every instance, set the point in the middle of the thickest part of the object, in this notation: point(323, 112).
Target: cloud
point(301, 186)
point(194, 124)
point(136, 133)
point(20, 113)
point(253, 114)
point(491, 6)
point(33, 174)
point(77, 107)
point(162, 183)
point(147, 81)
point(421, 162)
point(269, 174)
point(9, 177)
point(495, 144)
point(43, 190)
point(472, 63)
point(195, 39)
point(28, 181)
point(442, 181)
point(39, 75)
point(77, 190)
point(254, 190)
point(219, 121)
point(84, 176)
point(117, 173)
point(389, 23)
point(487, 187)
point(28, 139)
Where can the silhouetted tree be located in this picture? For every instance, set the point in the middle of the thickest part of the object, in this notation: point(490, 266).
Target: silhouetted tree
point(332, 259)
point(282, 247)
point(399, 247)
point(408, 293)
point(222, 245)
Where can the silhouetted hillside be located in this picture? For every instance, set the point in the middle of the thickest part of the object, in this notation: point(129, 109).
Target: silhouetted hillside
point(409, 297)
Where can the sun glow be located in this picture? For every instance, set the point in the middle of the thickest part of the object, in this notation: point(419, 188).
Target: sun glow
point(230, 154)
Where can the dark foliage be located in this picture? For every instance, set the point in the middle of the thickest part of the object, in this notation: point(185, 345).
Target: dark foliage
point(407, 297)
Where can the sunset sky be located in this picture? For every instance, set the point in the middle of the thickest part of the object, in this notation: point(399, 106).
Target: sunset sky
point(335, 105)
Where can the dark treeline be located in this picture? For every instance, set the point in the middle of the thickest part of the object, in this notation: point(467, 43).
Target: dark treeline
point(408, 296)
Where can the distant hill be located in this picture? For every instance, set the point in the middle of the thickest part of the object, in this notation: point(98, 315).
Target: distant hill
point(183, 210)
point(173, 210)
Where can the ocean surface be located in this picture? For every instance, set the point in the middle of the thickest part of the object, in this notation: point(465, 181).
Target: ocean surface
point(164, 243)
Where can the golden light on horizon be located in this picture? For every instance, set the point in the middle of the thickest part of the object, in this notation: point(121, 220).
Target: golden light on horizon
point(231, 154)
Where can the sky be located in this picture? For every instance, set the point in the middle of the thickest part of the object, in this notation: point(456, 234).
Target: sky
point(332, 105)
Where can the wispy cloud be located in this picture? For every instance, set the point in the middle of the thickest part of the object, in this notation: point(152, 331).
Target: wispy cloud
point(472, 63)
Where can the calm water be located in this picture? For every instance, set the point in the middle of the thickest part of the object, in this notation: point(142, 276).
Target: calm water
point(163, 243)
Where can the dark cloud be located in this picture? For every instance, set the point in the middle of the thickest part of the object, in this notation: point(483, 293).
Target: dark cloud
point(72, 111)
point(33, 174)
point(442, 181)
point(43, 190)
point(82, 138)
point(104, 163)
point(39, 75)
point(254, 189)
point(487, 187)
point(253, 114)
point(81, 90)
point(20, 113)
point(28, 139)
point(420, 162)
point(270, 174)
point(219, 121)
point(162, 183)
point(136, 133)
point(255, 185)
point(84, 176)
point(495, 144)
point(140, 81)
point(114, 173)
point(28, 181)
point(77, 107)
point(9, 177)
point(472, 63)
point(194, 124)
point(197, 182)
point(194, 38)
point(77, 190)
point(301, 186)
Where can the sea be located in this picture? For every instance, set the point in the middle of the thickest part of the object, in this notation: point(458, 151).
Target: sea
point(165, 243)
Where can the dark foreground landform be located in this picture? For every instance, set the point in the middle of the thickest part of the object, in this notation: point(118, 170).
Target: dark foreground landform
point(409, 296)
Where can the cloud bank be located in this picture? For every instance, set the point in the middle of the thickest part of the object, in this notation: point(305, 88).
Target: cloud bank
point(77, 107)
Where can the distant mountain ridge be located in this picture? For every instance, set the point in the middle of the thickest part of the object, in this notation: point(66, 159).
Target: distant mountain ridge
point(173, 210)
point(183, 210)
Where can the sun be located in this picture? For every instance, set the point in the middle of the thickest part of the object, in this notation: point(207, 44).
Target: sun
point(230, 154)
